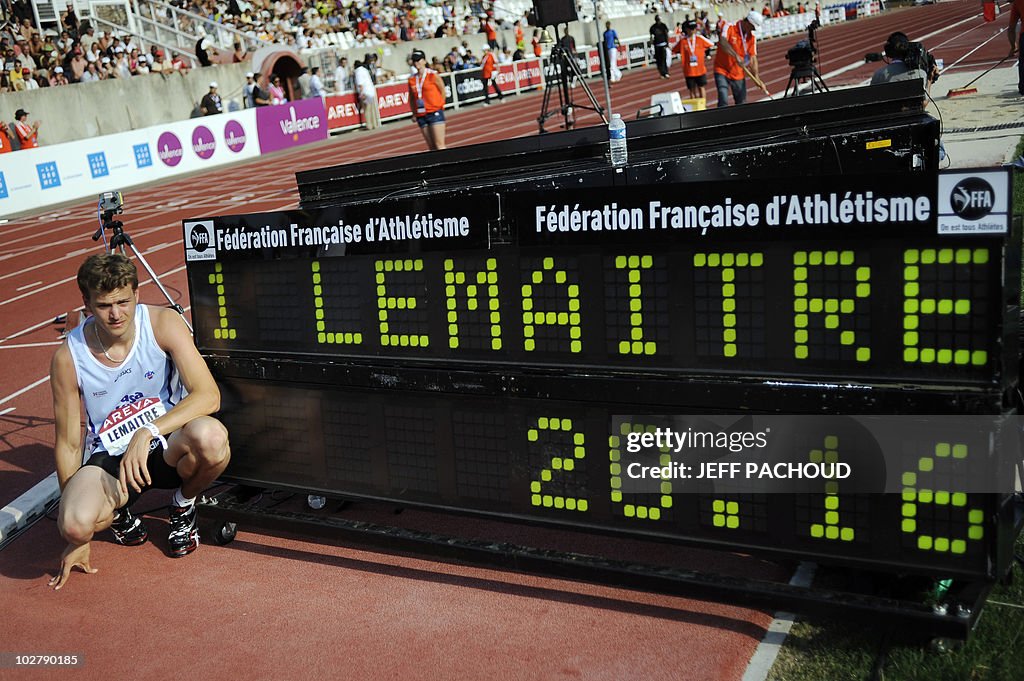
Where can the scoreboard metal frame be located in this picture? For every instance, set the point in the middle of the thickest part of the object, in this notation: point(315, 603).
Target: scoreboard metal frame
point(458, 334)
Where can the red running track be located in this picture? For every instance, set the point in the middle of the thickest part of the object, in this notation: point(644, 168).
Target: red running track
point(267, 608)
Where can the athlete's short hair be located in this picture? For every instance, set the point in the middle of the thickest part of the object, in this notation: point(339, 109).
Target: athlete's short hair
point(105, 273)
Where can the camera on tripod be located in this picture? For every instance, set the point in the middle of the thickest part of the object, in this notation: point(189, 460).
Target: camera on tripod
point(801, 55)
point(804, 77)
point(111, 203)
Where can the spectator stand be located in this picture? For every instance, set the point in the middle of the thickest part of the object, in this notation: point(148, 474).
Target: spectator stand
point(163, 23)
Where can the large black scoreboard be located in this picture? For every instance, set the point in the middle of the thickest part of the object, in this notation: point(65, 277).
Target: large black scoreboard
point(474, 347)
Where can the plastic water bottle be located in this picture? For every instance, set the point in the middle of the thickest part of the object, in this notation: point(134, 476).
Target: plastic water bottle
point(617, 141)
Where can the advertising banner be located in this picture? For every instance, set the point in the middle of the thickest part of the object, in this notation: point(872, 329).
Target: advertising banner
point(505, 76)
point(593, 63)
point(622, 56)
point(638, 54)
point(48, 175)
point(342, 111)
point(468, 86)
point(449, 89)
point(291, 125)
point(528, 74)
point(393, 100)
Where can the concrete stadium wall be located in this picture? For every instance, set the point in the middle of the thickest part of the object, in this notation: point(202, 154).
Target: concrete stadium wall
point(88, 110)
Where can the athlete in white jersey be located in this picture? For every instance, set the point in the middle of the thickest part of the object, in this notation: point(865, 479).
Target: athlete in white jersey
point(145, 385)
point(140, 378)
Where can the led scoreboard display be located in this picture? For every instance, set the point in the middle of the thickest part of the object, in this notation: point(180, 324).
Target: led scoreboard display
point(471, 351)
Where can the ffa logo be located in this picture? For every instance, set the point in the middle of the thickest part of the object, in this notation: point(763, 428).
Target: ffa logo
point(972, 198)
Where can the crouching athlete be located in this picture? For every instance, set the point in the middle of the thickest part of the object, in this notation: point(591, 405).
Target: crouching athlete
point(148, 396)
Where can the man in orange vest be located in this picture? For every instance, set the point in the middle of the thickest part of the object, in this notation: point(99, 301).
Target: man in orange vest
point(426, 100)
point(490, 31)
point(692, 50)
point(487, 69)
point(28, 135)
point(736, 59)
point(5, 139)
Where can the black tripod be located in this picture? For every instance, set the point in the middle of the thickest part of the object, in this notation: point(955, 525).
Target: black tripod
point(119, 239)
point(801, 74)
point(561, 64)
point(803, 58)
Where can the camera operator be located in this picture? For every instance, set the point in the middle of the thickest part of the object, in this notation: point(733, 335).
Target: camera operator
point(907, 61)
point(900, 67)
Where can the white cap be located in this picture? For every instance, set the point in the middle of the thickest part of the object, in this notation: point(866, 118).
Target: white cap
point(755, 18)
point(249, 75)
point(59, 69)
point(213, 84)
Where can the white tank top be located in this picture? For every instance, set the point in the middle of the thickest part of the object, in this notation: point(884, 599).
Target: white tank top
point(119, 400)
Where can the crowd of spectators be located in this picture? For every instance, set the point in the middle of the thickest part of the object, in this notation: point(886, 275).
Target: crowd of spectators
point(35, 59)
point(310, 23)
point(79, 53)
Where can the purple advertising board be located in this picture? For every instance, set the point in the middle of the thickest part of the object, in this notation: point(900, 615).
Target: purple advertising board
point(291, 124)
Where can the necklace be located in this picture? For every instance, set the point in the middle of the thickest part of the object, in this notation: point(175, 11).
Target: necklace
point(96, 332)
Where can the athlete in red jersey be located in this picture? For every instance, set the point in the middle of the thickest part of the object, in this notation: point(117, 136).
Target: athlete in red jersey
point(426, 99)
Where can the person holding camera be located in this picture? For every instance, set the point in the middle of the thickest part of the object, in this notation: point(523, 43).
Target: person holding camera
point(898, 50)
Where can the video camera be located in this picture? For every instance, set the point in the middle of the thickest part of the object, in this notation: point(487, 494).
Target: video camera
point(920, 58)
point(914, 55)
point(111, 202)
point(801, 55)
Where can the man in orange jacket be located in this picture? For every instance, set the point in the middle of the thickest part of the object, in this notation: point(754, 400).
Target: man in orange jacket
point(488, 68)
point(28, 135)
point(736, 59)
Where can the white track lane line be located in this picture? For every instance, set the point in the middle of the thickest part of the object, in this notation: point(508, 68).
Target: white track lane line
point(24, 390)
